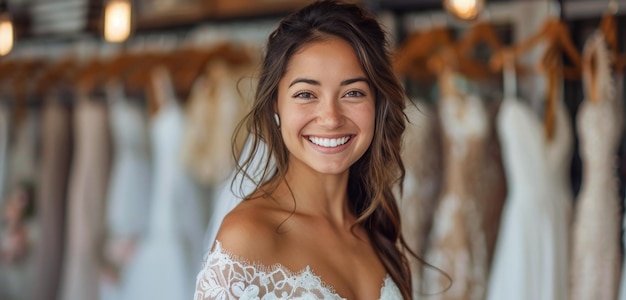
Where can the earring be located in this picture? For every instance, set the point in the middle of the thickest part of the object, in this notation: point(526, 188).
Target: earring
point(277, 119)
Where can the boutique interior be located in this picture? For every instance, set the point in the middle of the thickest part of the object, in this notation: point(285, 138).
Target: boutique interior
point(117, 116)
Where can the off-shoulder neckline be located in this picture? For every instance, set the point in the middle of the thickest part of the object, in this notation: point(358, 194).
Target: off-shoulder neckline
point(305, 272)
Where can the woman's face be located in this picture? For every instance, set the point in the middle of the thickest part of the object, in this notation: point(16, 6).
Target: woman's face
point(326, 107)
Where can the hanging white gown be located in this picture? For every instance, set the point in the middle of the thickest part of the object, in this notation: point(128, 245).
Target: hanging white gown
point(4, 147)
point(457, 241)
point(532, 252)
point(130, 184)
point(23, 167)
point(168, 258)
point(89, 177)
point(596, 251)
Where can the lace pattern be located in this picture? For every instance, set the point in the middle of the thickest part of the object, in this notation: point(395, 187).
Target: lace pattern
point(224, 277)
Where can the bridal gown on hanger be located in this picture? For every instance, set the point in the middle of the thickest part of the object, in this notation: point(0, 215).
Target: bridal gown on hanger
point(56, 155)
point(85, 226)
point(4, 148)
point(18, 277)
point(532, 252)
point(220, 99)
point(170, 255)
point(129, 188)
point(596, 251)
point(457, 242)
point(421, 154)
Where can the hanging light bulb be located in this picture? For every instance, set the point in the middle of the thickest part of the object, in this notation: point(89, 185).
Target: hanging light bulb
point(464, 9)
point(6, 34)
point(117, 20)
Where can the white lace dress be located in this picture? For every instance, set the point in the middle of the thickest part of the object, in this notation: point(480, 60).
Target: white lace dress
point(458, 244)
point(532, 252)
point(168, 258)
point(129, 189)
point(596, 253)
point(225, 276)
point(421, 153)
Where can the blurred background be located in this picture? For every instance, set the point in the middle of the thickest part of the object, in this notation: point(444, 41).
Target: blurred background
point(116, 123)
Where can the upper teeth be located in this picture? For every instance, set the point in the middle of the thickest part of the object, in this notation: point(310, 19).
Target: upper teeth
point(329, 142)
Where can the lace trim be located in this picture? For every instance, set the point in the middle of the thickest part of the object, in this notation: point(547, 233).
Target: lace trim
point(227, 276)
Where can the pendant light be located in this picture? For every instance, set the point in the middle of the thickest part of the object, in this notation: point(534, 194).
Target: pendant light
point(466, 10)
point(6, 30)
point(117, 20)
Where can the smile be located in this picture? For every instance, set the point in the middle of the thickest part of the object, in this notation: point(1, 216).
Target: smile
point(329, 143)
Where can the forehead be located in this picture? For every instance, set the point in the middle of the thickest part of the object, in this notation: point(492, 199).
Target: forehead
point(328, 54)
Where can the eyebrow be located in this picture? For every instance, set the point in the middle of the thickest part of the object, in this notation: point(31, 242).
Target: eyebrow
point(315, 82)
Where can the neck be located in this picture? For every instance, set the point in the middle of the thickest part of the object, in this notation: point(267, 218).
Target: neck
point(317, 195)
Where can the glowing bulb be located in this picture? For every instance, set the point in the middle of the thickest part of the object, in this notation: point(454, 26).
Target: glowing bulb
point(117, 21)
point(6, 35)
point(464, 9)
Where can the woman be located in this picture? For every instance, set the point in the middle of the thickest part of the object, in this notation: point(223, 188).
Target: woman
point(330, 111)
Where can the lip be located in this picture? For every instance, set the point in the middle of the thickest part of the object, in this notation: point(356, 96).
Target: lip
point(330, 150)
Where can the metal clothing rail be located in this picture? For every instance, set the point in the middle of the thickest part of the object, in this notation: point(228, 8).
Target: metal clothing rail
point(591, 8)
point(498, 13)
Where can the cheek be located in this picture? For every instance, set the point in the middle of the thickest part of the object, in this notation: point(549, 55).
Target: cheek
point(367, 119)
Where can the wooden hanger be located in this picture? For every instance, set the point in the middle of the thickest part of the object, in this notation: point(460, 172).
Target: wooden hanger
point(482, 33)
point(22, 85)
point(608, 26)
point(54, 75)
point(556, 34)
point(82, 78)
point(412, 57)
point(136, 79)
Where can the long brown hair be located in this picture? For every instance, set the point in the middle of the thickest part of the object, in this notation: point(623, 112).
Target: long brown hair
point(374, 175)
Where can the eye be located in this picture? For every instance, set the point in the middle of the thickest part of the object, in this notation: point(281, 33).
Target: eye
point(304, 95)
point(354, 94)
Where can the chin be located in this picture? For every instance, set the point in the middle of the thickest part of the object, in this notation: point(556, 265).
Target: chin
point(331, 169)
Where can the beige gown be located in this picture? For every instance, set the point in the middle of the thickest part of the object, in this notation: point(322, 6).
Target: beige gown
point(88, 185)
point(458, 242)
point(51, 202)
point(421, 154)
point(596, 251)
point(219, 101)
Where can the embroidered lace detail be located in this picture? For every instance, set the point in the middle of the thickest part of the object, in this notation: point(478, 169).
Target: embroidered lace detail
point(224, 277)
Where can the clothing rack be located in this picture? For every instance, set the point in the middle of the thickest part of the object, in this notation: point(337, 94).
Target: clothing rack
point(497, 13)
point(590, 8)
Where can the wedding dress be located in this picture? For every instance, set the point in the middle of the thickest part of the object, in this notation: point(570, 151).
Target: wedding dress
point(227, 277)
point(130, 183)
point(4, 147)
point(219, 101)
point(23, 160)
point(237, 187)
point(458, 244)
point(86, 200)
point(421, 154)
point(56, 146)
point(596, 251)
point(170, 255)
point(532, 251)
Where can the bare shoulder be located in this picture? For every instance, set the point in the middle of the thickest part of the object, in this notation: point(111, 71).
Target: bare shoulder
point(249, 230)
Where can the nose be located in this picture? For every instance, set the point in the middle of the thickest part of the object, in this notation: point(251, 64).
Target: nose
point(330, 114)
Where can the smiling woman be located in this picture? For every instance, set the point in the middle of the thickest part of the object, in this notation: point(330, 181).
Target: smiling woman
point(326, 108)
point(330, 111)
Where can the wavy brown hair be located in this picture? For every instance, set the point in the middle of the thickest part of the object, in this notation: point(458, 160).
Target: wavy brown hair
point(374, 175)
